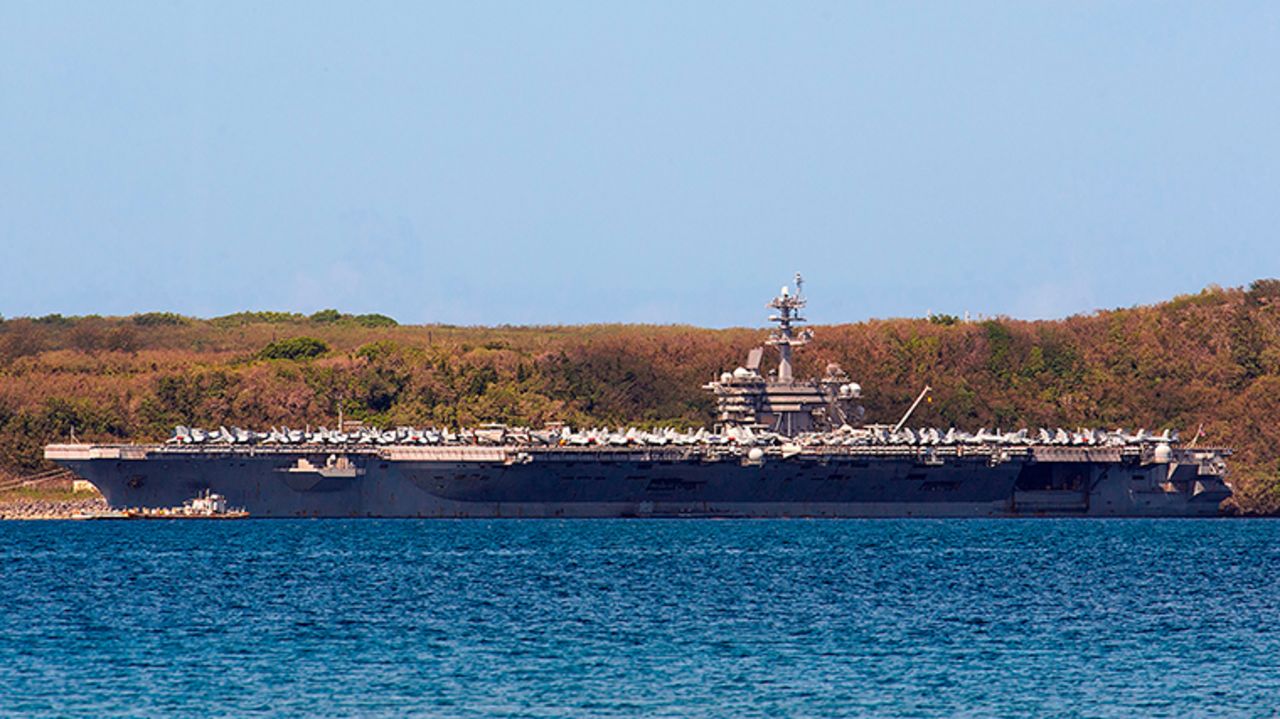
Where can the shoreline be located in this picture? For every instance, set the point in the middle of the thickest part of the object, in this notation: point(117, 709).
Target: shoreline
point(31, 504)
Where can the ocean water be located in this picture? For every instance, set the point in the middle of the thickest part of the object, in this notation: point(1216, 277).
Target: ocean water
point(952, 618)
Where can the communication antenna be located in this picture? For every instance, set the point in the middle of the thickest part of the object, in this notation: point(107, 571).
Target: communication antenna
point(785, 337)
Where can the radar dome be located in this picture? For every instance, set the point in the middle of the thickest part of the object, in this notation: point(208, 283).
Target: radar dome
point(742, 373)
point(726, 377)
point(756, 454)
point(1163, 453)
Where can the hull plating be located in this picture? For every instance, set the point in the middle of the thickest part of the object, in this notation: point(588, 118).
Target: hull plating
point(866, 488)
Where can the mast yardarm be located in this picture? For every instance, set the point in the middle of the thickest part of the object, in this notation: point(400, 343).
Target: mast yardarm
point(778, 402)
point(785, 337)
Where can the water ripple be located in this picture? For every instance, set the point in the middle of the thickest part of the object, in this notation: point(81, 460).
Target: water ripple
point(960, 618)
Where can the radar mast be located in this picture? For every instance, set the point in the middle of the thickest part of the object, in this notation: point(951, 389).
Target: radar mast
point(784, 337)
point(779, 402)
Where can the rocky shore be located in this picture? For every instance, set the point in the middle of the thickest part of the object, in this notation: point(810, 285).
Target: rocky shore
point(40, 505)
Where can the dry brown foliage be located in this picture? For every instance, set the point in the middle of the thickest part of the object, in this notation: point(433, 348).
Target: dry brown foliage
point(1210, 359)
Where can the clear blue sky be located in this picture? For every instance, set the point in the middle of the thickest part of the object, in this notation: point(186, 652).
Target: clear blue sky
point(664, 162)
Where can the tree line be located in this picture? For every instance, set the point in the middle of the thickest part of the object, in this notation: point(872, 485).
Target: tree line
point(1206, 364)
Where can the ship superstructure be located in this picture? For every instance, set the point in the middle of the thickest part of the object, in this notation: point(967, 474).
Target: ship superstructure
point(781, 447)
point(778, 402)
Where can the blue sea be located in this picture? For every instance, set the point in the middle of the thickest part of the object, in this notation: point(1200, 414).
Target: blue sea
point(643, 618)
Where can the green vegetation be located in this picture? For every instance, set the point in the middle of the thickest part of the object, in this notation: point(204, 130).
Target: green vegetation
point(54, 319)
point(158, 319)
point(44, 494)
point(294, 348)
point(374, 320)
point(370, 320)
point(1210, 359)
point(240, 319)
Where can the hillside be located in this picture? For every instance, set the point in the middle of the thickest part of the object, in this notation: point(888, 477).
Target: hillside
point(1210, 359)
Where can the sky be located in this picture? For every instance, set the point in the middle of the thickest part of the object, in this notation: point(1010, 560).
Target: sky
point(665, 162)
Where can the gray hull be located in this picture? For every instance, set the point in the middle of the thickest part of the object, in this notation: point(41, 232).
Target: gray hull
point(622, 484)
point(780, 448)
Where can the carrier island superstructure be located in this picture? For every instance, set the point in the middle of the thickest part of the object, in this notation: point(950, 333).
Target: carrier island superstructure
point(781, 447)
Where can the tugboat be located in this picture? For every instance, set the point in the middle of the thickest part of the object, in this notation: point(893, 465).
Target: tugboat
point(206, 505)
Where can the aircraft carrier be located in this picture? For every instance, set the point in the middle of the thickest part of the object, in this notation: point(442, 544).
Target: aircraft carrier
point(781, 447)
